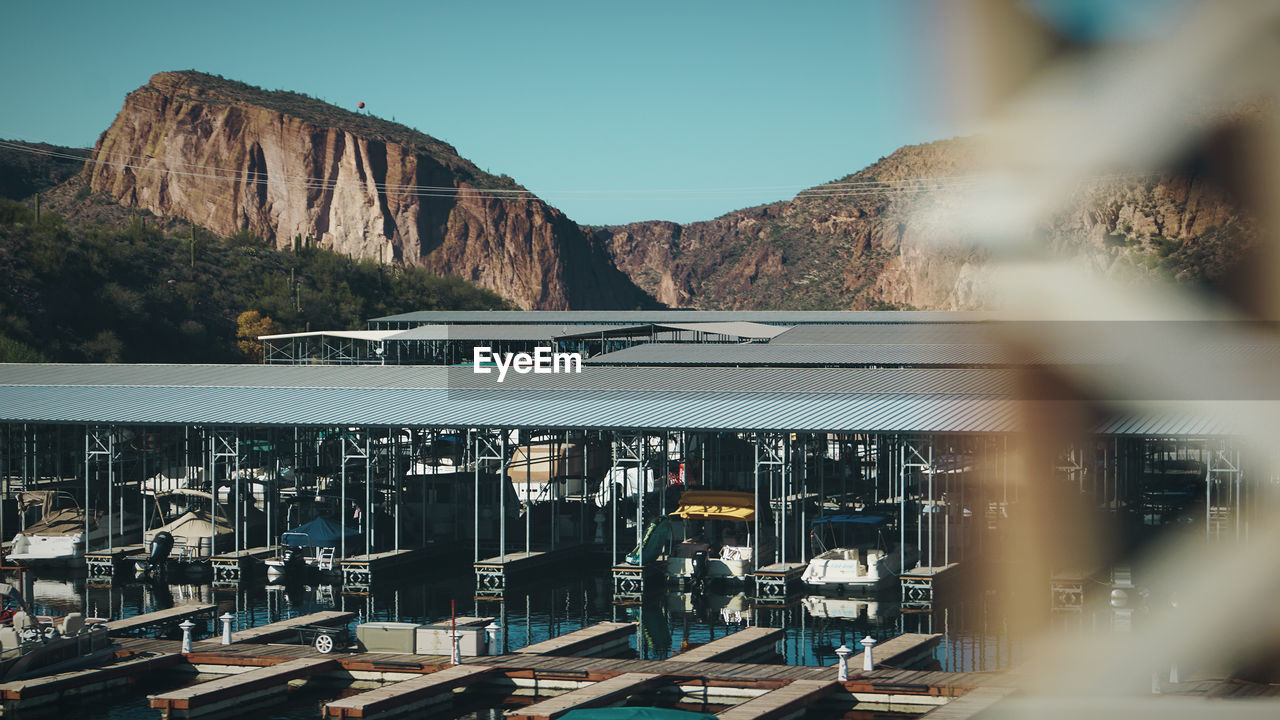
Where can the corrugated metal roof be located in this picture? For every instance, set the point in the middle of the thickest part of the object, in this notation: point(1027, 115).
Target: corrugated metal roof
point(374, 335)
point(637, 317)
point(918, 333)
point(493, 407)
point(648, 379)
point(462, 332)
point(742, 329)
point(814, 399)
point(806, 355)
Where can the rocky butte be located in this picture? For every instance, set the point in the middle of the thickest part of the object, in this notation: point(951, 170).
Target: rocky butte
point(289, 168)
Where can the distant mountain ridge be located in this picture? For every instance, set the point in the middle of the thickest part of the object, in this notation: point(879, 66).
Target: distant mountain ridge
point(859, 243)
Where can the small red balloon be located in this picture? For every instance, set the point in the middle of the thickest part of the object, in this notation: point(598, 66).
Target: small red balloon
point(360, 105)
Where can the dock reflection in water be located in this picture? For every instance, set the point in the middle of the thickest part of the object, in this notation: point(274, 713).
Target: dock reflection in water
point(973, 626)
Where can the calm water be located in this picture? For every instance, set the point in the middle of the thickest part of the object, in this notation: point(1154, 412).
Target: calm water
point(974, 634)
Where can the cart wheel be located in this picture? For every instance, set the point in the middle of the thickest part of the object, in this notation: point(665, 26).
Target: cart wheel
point(323, 643)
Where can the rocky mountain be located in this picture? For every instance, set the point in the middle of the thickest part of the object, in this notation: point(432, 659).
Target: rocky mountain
point(292, 169)
point(864, 242)
point(190, 147)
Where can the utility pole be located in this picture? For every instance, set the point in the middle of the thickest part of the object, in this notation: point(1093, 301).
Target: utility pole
point(37, 208)
point(193, 245)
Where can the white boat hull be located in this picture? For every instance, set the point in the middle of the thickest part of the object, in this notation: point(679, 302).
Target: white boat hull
point(60, 550)
point(852, 568)
point(736, 565)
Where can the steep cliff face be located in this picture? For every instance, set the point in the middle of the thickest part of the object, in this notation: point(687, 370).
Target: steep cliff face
point(863, 241)
point(287, 167)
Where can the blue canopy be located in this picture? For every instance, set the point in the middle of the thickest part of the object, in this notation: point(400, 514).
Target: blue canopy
point(854, 518)
point(321, 532)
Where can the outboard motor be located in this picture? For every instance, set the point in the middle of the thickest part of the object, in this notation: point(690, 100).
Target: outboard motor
point(161, 546)
point(294, 560)
point(700, 566)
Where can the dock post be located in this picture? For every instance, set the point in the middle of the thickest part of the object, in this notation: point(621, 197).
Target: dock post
point(226, 627)
point(186, 626)
point(843, 652)
point(455, 652)
point(868, 662)
point(491, 638)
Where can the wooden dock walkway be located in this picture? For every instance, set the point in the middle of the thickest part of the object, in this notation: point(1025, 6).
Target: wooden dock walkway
point(238, 693)
point(600, 694)
point(413, 695)
point(743, 646)
point(19, 695)
point(788, 701)
point(902, 651)
point(147, 621)
point(287, 629)
point(599, 640)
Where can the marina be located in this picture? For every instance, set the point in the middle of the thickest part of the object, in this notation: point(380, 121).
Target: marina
point(630, 534)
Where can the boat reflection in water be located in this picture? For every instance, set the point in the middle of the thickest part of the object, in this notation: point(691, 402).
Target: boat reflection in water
point(723, 609)
point(875, 612)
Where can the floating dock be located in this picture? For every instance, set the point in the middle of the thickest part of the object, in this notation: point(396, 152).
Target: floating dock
point(159, 618)
point(1067, 589)
point(239, 693)
point(257, 674)
point(788, 701)
point(747, 644)
point(239, 565)
point(418, 695)
point(630, 582)
point(599, 640)
point(920, 585)
point(606, 692)
point(773, 582)
point(360, 571)
point(102, 564)
point(124, 671)
point(492, 574)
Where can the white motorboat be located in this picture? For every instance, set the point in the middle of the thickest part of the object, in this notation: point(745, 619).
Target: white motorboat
point(863, 564)
point(58, 537)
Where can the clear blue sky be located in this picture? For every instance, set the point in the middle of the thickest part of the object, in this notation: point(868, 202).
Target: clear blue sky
point(562, 96)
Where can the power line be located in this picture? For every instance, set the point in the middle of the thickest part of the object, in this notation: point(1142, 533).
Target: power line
point(859, 188)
